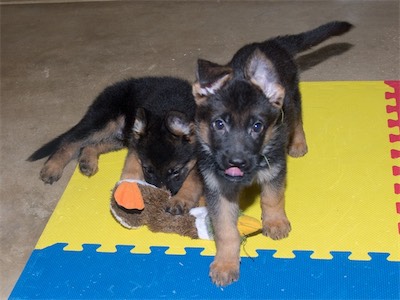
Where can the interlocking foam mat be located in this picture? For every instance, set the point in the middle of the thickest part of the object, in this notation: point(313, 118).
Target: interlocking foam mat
point(342, 200)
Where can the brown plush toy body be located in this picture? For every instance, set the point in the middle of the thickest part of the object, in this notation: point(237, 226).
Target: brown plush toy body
point(135, 203)
point(153, 214)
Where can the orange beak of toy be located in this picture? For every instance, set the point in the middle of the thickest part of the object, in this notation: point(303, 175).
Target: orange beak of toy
point(129, 196)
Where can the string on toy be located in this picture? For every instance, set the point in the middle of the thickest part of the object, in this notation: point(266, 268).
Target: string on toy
point(283, 115)
point(243, 243)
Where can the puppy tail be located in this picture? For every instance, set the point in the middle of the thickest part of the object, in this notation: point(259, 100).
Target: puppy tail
point(300, 42)
point(47, 149)
point(74, 135)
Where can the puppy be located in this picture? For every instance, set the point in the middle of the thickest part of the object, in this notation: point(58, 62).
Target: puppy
point(248, 119)
point(154, 118)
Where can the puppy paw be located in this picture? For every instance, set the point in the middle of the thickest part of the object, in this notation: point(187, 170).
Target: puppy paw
point(50, 173)
point(298, 149)
point(224, 273)
point(88, 167)
point(276, 228)
point(177, 206)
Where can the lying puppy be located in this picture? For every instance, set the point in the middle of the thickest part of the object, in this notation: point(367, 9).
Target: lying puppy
point(154, 118)
point(248, 119)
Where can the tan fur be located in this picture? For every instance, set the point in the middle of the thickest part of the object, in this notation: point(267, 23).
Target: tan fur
point(202, 129)
point(110, 130)
point(189, 194)
point(53, 168)
point(88, 159)
point(132, 168)
point(275, 222)
point(261, 72)
point(269, 134)
point(298, 145)
point(192, 136)
point(225, 267)
point(197, 93)
point(201, 93)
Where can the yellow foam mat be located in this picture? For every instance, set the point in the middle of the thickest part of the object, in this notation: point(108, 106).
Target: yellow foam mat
point(339, 196)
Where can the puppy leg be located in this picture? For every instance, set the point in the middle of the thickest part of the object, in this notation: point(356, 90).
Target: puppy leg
point(188, 195)
point(132, 168)
point(297, 142)
point(88, 159)
point(225, 268)
point(298, 145)
point(54, 166)
point(275, 222)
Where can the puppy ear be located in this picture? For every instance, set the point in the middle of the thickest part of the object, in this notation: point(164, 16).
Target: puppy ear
point(210, 77)
point(179, 125)
point(261, 72)
point(139, 126)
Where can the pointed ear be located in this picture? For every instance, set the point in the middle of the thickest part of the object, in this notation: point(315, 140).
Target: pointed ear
point(179, 125)
point(139, 126)
point(261, 72)
point(210, 77)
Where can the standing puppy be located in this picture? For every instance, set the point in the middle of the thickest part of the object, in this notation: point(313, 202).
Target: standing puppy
point(248, 119)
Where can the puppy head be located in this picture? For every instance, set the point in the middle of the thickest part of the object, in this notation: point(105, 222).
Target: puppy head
point(237, 115)
point(258, 70)
point(165, 146)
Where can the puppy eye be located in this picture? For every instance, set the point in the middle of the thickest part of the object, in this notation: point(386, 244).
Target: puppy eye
point(174, 172)
point(257, 127)
point(148, 170)
point(218, 125)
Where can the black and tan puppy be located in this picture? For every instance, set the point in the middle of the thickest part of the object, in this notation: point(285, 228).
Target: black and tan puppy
point(248, 119)
point(154, 118)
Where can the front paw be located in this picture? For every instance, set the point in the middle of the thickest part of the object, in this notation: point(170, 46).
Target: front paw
point(177, 206)
point(277, 228)
point(224, 273)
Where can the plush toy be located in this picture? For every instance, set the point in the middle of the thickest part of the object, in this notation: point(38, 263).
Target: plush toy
point(136, 203)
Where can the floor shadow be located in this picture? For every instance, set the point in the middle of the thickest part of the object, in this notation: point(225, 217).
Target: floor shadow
point(309, 60)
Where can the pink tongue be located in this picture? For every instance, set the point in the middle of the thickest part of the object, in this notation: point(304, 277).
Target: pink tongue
point(234, 172)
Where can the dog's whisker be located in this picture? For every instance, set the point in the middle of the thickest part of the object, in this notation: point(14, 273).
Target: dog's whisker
point(266, 159)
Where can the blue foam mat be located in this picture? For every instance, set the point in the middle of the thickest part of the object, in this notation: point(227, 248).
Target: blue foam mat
point(159, 275)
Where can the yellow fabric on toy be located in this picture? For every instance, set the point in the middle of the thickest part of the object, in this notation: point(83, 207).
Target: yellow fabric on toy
point(248, 225)
point(128, 195)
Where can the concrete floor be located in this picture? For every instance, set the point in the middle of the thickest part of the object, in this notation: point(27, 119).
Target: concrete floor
point(56, 57)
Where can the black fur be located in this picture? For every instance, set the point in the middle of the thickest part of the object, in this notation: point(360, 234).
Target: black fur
point(110, 124)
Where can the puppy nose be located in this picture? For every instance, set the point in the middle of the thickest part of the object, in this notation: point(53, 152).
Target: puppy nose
point(237, 162)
